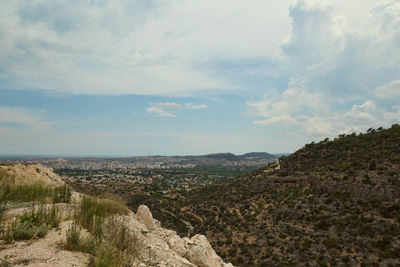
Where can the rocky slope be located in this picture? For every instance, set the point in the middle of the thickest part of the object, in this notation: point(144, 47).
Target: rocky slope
point(156, 246)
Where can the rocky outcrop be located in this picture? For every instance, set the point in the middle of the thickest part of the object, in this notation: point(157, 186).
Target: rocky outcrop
point(157, 247)
point(20, 174)
point(144, 215)
point(202, 254)
point(178, 245)
point(165, 248)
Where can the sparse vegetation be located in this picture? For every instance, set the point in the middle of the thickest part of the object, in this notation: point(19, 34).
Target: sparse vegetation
point(118, 246)
point(34, 223)
point(73, 235)
point(109, 240)
point(330, 203)
point(95, 228)
point(92, 212)
point(37, 192)
point(335, 202)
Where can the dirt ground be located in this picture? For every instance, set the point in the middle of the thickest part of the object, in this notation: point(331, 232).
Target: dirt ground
point(47, 251)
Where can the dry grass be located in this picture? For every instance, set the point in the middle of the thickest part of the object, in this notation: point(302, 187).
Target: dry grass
point(37, 192)
point(5, 177)
point(110, 242)
point(92, 211)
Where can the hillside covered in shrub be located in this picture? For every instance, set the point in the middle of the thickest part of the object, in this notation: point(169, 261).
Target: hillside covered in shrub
point(334, 202)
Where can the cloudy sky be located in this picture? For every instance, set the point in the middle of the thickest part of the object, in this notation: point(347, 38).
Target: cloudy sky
point(144, 77)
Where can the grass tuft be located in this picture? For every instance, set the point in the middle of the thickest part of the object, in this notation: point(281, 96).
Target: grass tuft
point(74, 237)
point(110, 242)
point(118, 246)
point(92, 212)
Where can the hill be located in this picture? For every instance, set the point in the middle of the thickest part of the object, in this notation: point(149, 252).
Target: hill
point(233, 157)
point(17, 173)
point(336, 202)
point(260, 155)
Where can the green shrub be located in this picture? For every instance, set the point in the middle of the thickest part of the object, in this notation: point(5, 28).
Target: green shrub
point(346, 259)
point(73, 235)
point(35, 223)
point(27, 230)
point(330, 243)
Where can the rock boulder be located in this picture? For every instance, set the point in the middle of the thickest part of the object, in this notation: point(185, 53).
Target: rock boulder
point(144, 216)
point(202, 254)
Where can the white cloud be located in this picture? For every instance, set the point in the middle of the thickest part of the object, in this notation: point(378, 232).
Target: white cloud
point(193, 106)
point(316, 32)
point(17, 116)
point(163, 109)
point(311, 115)
point(164, 48)
point(389, 91)
point(168, 109)
point(345, 75)
point(335, 55)
point(132, 47)
point(169, 105)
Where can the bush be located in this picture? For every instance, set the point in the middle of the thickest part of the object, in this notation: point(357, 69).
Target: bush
point(330, 243)
point(27, 230)
point(35, 223)
point(73, 235)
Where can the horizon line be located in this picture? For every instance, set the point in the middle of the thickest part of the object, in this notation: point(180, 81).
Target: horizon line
point(21, 155)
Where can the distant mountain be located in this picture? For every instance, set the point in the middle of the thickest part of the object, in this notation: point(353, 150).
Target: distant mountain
point(233, 157)
point(226, 156)
point(336, 202)
point(260, 155)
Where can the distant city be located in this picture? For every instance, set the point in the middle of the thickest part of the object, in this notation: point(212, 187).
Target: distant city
point(162, 173)
point(254, 159)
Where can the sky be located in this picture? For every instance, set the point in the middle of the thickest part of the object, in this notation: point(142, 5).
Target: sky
point(174, 77)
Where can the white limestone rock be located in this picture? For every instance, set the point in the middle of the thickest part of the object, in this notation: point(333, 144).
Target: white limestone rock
point(202, 254)
point(165, 247)
point(144, 216)
point(178, 245)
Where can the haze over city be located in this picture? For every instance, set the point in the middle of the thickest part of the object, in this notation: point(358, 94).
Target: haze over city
point(194, 77)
